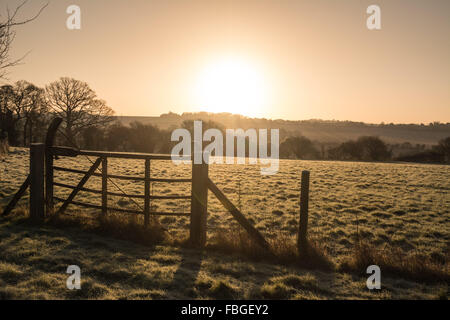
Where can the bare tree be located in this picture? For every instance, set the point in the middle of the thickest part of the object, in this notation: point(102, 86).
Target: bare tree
point(21, 103)
point(13, 103)
point(33, 109)
point(8, 23)
point(7, 124)
point(444, 148)
point(77, 104)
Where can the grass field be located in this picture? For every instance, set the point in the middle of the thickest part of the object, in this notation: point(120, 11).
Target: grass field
point(33, 262)
point(402, 206)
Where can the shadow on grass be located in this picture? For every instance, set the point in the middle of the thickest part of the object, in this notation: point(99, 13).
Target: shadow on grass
point(283, 250)
point(186, 275)
point(433, 268)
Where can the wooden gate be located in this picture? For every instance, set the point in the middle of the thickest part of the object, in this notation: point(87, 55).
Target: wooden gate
point(42, 198)
point(101, 165)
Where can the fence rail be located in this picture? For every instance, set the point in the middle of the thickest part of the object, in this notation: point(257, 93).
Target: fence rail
point(72, 152)
point(134, 178)
point(103, 162)
point(124, 195)
point(94, 206)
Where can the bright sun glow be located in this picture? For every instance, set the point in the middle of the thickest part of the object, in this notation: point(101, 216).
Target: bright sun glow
point(232, 85)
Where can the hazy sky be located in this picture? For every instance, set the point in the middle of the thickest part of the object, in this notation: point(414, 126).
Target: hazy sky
point(292, 59)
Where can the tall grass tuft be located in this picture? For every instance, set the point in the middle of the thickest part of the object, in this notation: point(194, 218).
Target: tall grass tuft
point(4, 147)
point(119, 226)
point(394, 261)
point(283, 250)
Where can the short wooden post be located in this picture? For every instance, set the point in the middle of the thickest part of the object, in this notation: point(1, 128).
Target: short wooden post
point(199, 203)
point(37, 159)
point(303, 225)
point(104, 186)
point(147, 194)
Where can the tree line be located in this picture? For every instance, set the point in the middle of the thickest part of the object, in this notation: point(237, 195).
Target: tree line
point(365, 148)
point(88, 123)
point(439, 153)
point(26, 110)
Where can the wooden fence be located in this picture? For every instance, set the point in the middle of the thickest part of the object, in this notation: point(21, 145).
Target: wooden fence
point(101, 163)
point(198, 183)
point(42, 198)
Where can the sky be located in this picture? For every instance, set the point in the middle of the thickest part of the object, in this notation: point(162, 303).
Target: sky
point(283, 59)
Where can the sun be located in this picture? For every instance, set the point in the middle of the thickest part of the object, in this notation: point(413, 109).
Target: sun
point(232, 85)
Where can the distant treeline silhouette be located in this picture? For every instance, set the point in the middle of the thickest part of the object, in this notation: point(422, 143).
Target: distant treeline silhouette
point(366, 148)
point(26, 111)
point(138, 137)
point(326, 132)
point(438, 154)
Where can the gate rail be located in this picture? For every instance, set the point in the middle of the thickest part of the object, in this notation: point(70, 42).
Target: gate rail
point(102, 158)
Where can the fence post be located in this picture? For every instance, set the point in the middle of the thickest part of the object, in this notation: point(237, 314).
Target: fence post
point(104, 186)
point(49, 182)
point(37, 159)
point(303, 225)
point(147, 194)
point(49, 141)
point(199, 203)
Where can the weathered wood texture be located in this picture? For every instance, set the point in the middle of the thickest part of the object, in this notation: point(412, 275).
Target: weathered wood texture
point(17, 196)
point(37, 163)
point(303, 224)
point(104, 186)
point(147, 193)
point(49, 141)
point(79, 186)
point(199, 204)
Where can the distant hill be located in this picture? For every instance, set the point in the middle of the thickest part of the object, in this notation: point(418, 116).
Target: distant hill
point(324, 131)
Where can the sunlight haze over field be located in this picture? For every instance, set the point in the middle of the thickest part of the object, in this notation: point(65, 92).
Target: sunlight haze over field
point(225, 150)
point(274, 59)
point(233, 85)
